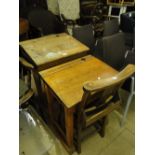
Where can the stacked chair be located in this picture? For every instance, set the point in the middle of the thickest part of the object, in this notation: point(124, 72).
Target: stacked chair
point(112, 50)
point(127, 25)
point(110, 27)
point(85, 34)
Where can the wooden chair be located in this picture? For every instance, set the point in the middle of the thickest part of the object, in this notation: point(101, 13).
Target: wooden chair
point(99, 99)
point(25, 91)
point(112, 50)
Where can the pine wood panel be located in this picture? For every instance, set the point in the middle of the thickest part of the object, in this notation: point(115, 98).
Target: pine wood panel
point(51, 48)
point(67, 80)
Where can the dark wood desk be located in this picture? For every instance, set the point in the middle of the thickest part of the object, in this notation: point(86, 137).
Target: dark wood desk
point(66, 82)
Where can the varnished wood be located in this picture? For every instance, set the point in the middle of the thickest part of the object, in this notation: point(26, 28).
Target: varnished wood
point(64, 137)
point(100, 98)
point(47, 50)
point(40, 93)
point(103, 83)
point(69, 126)
point(103, 125)
point(67, 80)
point(74, 82)
point(66, 83)
point(90, 120)
point(49, 102)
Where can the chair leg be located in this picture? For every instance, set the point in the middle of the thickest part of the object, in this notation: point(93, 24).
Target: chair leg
point(127, 108)
point(79, 140)
point(128, 101)
point(102, 131)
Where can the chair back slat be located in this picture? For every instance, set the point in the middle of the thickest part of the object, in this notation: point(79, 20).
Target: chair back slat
point(108, 82)
point(99, 94)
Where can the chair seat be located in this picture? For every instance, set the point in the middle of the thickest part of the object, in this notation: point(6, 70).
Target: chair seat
point(102, 113)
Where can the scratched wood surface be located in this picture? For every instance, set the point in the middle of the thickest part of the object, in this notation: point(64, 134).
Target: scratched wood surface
point(52, 48)
point(66, 80)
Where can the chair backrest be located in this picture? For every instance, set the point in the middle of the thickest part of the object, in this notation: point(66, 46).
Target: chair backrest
point(85, 35)
point(111, 49)
point(127, 22)
point(45, 21)
point(110, 27)
point(99, 94)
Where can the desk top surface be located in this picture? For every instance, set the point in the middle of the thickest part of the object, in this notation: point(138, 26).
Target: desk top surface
point(51, 48)
point(66, 80)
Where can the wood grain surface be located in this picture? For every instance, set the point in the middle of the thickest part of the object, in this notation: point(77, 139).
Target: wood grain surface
point(52, 48)
point(67, 80)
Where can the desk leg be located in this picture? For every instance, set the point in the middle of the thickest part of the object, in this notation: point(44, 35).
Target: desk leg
point(49, 102)
point(69, 127)
point(39, 90)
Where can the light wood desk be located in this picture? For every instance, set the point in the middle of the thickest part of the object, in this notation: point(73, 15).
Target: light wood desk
point(66, 83)
point(50, 50)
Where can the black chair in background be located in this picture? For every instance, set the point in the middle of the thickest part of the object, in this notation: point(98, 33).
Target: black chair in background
point(127, 25)
point(110, 27)
point(25, 6)
point(112, 50)
point(43, 22)
point(85, 34)
point(127, 22)
point(129, 84)
point(99, 99)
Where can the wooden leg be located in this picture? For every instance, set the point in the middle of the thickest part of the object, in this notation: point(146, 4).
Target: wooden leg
point(49, 103)
point(37, 82)
point(127, 108)
point(39, 91)
point(103, 123)
point(79, 140)
point(69, 127)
